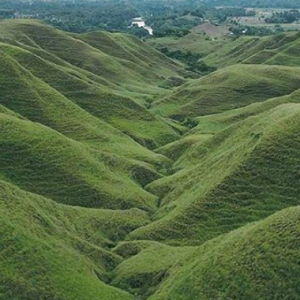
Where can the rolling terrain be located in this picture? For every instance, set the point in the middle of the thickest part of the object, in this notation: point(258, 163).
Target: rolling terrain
point(280, 49)
point(115, 184)
point(229, 88)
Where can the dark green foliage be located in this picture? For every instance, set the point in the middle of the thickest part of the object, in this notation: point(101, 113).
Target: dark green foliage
point(256, 3)
point(75, 16)
point(113, 15)
point(7, 13)
point(239, 30)
point(284, 17)
point(190, 59)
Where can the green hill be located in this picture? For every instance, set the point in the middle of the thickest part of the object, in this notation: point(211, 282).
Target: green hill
point(35, 100)
point(208, 125)
point(90, 53)
point(259, 261)
point(102, 85)
point(228, 88)
point(280, 49)
point(51, 251)
point(143, 272)
point(116, 185)
point(43, 161)
point(242, 174)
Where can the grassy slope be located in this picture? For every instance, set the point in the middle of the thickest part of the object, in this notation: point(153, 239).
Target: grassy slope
point(132, 52)
point(211, 124)
point(52, 251)
point(176, 149)
point(259, 261)
point(45, 162)
point(92, 58)
point(34, 99)
point(71, 107)
point(242, 174)
point(193, 42)
point(257, 50)
point(93, 79)
point(228, 88)
point(143, 272)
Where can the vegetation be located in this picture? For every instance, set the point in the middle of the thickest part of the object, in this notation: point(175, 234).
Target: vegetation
point(228, 88)
point(227, 179)
point(113, 15)
point(45, 256)
point(258, 261)
point(280, 49)
point(255, 3)
point(190, 59)
point(132, 173)
point(284, 17)
point(76, 16)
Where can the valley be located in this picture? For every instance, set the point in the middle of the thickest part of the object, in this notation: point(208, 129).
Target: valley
point(127, 174)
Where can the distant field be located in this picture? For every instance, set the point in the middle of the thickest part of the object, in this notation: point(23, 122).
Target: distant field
point(211, 30)
point(194, 42)
point(261, 15)
point(126, 176)
point(206, 38)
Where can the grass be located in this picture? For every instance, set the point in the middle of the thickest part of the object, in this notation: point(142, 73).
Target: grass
point(56, 110)
point(242, 174)
point(259, 261)
point(176, 149)
point(256, 50)
point(229, 88)
point(143, 272)
point(115, 185)
point(99, 86)
point(211, 124)
point(195, 42)
point(42, 161)
point(46, 251)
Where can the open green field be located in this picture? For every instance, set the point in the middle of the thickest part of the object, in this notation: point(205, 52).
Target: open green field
point(194, 42)
point(261, 15)
point(116, 183)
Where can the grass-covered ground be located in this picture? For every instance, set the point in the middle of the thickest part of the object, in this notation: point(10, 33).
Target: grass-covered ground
point(116, 185)
point(258, 261)
point(258, 50)
point(229, 88)
point(242, 174)
point(195, 42)
point(52, 251)
point(104, 85)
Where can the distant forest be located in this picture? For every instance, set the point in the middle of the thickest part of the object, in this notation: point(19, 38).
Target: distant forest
point(256, 3)
point(166, 17)
point(116, 15)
